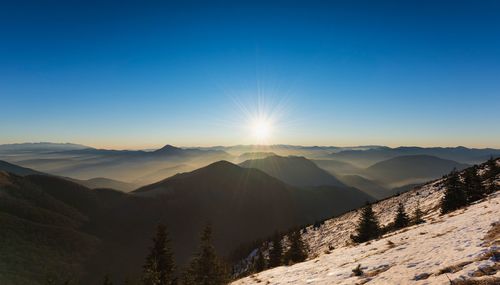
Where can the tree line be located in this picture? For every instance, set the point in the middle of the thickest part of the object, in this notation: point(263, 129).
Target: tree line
point(205, 268)
point(461, 189)
point(465, 188)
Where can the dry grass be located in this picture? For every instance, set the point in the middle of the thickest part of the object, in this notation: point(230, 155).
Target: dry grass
point(443, 233)
point(453, 268)
point(492, 237)
point(390, 244)
point(377, 271)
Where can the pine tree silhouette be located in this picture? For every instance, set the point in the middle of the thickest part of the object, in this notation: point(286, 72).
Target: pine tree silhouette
point(276, 252)
point(418, 215)
point(159, 266)
point(454, 195)
point(206, 268)
point(493, 168)
point(368, 227)
point(401, 219)
point(260, 262)
point(473, 187)
point(297, 251)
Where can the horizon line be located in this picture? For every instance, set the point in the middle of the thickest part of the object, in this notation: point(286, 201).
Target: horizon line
point(246, 145)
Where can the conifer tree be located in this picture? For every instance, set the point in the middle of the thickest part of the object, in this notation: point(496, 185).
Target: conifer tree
point(159, 266)
point(493, 168)
point(276, 252)
point(418, 215)
point(297, 251)
point(206, 268)
point(401, 220)
point(368, 227)
point(473, 187)
point(260, 262)
point(454, 195)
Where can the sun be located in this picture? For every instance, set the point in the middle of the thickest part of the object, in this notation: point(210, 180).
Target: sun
point(261, 130)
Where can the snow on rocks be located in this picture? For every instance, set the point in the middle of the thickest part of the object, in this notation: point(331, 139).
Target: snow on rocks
point(451, 247)
point(456, 246)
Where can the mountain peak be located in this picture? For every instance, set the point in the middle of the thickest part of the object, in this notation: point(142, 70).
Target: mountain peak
point(169, 149)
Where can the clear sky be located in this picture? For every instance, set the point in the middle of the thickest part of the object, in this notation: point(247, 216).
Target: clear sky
point(121, 74)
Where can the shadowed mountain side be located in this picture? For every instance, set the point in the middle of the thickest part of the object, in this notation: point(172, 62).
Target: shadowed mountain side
point(411, 169)
point(15, 169)
point(42, 234)
point(160, 174)
point(294, 170)
point(320, 202)
point(369, 187)
point(101, 182)
point(78, 231)
point(335, 167)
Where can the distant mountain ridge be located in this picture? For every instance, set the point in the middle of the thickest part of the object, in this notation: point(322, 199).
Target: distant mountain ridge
point(130, 166)
point(40, 146)
point(294, 170)
point(411, 169)
point(365, 158)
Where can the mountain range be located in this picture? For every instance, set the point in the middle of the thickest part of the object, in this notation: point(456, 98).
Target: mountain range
point(294, 170)
point(110, 231)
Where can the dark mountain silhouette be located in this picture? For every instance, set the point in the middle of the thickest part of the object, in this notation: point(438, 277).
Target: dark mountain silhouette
point(294, 170)
point(410, 169)
point(241, 204)
point(19, 170)
point(84, 234)
point(336, 167)
point(42, 235)
point(368, 186)
point(160, 174)
point(101, 182)
point(169, 149)
point(404, 188)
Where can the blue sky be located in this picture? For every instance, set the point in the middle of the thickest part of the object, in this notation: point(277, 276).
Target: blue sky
point(123, 74)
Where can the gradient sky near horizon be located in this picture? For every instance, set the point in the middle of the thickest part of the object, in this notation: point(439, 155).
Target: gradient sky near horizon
point(139, 74)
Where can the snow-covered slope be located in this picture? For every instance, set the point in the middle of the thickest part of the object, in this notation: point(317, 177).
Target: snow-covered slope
point(461, 243)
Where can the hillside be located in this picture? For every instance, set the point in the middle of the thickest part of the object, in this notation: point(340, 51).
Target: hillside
point(337, 167)
point(462, 244)
point(294, 170)
point(42, 235)
point(92, 232)
point(411, 169)
point(15, 169)
point(101, 182)
point(369, 187)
